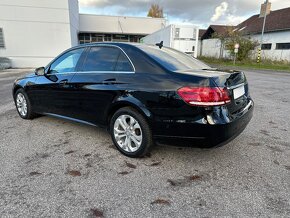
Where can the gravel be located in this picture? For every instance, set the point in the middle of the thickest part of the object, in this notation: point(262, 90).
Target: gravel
point(54, 168)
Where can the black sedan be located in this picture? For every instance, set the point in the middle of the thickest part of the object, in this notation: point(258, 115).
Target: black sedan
point(141, 94)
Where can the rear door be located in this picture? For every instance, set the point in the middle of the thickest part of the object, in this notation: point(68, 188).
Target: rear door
point(52, 92)
point(98, 82)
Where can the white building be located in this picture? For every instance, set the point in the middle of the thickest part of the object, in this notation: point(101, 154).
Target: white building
point(276, 40)
point(33, 32)
point(180, 37)
point(96, 28)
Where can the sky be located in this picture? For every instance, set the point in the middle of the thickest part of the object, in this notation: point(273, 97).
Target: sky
point(198, 12)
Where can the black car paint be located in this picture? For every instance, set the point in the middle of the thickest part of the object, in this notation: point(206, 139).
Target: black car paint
point(93, 97)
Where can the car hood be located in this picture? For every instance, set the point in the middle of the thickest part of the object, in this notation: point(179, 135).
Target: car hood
point(27, 75)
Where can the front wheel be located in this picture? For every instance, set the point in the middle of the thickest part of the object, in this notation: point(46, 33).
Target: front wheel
point(130, 132)
point(23, 105)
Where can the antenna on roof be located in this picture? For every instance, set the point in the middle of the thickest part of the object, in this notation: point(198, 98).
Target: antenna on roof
point(160, 44)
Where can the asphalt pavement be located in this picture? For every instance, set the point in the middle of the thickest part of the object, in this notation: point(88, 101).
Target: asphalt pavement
point(55, 168)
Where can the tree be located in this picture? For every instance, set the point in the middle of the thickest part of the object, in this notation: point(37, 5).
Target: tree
point(231, 37)
point(155, 11)
point(245, 42)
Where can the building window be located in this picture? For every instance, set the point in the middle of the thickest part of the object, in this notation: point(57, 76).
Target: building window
point(2, 45)
point(135, 38)
point(99, 37)
point(120, 38)
point(266, 46)
point(107, 37)
point(177, 31)
point(283, 46)
point(84, 38)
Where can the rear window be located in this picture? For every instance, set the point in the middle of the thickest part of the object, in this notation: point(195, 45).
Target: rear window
point(172, 59)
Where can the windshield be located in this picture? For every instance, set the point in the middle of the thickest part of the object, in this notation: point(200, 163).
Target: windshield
point(172, 59)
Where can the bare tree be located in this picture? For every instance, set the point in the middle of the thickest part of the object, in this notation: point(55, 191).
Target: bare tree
point(155, 11)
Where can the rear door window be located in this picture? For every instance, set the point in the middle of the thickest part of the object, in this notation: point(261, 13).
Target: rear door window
point(101, 59)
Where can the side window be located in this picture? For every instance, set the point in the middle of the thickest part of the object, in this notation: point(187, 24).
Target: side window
point(67, 62)
point(123, 63)
point(101, 59)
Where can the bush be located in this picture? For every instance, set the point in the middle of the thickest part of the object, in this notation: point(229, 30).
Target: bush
point(246, 46)
point(231, 37)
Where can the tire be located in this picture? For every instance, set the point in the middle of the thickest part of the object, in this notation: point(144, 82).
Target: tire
point(23, 105)
point(136, 132)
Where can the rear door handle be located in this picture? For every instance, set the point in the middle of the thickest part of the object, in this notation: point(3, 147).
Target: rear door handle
point(109, 81)
point(63, 82)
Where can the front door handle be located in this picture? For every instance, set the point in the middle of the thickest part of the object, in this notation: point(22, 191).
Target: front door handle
point(63, 82)
point(109, 81)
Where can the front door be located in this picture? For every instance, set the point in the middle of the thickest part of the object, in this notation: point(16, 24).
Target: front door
point(52, 92)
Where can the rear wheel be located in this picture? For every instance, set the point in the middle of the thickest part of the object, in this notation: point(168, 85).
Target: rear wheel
point(130, 132)
point(23, 105)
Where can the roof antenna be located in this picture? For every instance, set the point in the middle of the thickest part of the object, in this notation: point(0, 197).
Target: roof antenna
point(160, 44)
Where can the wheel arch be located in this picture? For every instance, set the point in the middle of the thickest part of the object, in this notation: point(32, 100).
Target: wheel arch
point(128, 101)
point(15, 88)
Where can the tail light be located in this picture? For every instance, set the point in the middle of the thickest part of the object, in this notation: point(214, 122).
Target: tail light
point(204, 96)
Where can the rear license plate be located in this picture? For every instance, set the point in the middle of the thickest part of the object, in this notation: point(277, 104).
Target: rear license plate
point(238, 92)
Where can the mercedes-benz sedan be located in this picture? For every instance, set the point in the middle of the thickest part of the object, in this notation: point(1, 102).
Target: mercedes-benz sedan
point(141, 94)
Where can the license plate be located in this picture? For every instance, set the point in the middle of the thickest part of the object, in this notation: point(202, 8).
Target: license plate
point(238, 92)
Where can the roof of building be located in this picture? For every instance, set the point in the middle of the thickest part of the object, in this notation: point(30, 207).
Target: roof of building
point(220, 30)
point(276, 21)
point(201, 32)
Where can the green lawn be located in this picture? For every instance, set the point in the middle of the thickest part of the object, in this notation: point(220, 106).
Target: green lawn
point(248, 64)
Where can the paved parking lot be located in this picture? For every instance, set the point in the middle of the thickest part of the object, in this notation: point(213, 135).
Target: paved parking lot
point(54, 168)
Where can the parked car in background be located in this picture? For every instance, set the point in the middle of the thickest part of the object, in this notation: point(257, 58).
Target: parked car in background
point(141, 94)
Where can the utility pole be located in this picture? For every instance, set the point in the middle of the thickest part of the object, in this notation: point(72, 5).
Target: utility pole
point(263, 29)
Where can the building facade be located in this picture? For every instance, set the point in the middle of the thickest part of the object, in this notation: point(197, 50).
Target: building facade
point(100, 28)
point(33, 32)
point(276, 39)
point(181, 37)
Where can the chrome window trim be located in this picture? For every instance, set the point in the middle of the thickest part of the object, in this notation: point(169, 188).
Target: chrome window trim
point(50, 74)
point(94, 72)
point(99, 72)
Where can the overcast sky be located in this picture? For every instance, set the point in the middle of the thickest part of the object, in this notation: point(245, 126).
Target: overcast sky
point(198, 12)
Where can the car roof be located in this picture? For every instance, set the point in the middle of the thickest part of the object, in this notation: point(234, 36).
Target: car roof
point(107, 43)
point(118, 44)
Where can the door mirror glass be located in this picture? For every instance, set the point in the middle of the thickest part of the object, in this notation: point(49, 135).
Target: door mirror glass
point(40, 71)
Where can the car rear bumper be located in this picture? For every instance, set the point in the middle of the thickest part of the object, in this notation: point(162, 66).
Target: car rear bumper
point(204, 134)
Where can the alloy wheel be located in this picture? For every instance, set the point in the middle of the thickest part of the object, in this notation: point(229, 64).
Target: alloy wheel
point(21, 104)
point(128, 133)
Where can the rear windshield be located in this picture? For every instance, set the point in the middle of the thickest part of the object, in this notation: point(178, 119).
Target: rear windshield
point(172, 59)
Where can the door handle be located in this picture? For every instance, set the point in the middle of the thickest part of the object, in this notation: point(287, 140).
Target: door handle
point(63, 82)
point(109, 81)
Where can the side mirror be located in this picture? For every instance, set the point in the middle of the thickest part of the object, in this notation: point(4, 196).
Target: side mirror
point(39, 71)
